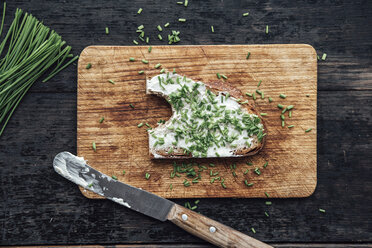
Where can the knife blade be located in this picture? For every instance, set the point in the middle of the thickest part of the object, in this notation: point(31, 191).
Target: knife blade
point(79, 172)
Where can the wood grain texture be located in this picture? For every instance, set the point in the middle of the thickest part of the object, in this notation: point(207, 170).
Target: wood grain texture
point(220, 235)
point(121, 145)
point(39, 207)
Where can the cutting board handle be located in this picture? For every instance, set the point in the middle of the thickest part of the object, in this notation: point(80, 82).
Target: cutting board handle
point(210, 230)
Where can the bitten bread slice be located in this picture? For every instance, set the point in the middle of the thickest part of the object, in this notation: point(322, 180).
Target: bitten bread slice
point(209, 120)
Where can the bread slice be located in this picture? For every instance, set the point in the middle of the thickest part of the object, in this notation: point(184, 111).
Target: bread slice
point(209, 120)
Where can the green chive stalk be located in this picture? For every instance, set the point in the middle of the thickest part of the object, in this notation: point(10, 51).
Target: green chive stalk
point(27, 52)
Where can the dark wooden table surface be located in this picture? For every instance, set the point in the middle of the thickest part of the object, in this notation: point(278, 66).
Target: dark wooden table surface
point(39, 207)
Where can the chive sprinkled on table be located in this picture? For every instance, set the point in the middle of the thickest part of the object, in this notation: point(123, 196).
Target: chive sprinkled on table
point(107, 30)
point(131, 105)
point(141, 72)
point(270, 99)
point(268, 203)
point(182, 20)
point(259, 83)
point(290, 126)
point(186, 3)
point(150, 48)
point(160, 37)
point(267, 215)
point(166, 25)
point(246, 14)
point(114, 177)
point(324, 56)
point(111, 81)
point(131, 59)
point(101, 120)
point(140, 125)
point(94, 146)
point(249, 54)
point(135, 42)
point(89, 65)
point(253, 230)
point(282, 96)
point(145, 61)
point(267, 29)
point(322, 210)
point(139, 11)
point(212, 29)
point(308, 130)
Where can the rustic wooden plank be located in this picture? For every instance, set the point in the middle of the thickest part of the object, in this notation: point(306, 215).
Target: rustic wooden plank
point(343, 35)
point(41, 207)
point(121, 145)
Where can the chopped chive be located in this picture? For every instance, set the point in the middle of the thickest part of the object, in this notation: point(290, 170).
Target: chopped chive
point(267, 29)
point(280, 106)
point(131, 105)
point(147, 40)
point(262, 95)
point(107, 30)
point(162, 70)
point(139, 11)
point(110, 81)
point(322, 210)
point(194, 207)
point(282, 117)
point(218, 75)
point(89, 65)
point(257, 171)
point(90, 185)
point(124, 172)
point(94, 146)
point(248, 94)
point(140, 27)
point(283, 123)
point(267, 194)
point(147, 176)
point(318, 57)
point(159, 36)
point(246, 14)
point(290, 114)
point(186, 3)
point(267, 215)
point(245, 102)
point(249, 163)
point(290, 126)
point(159, 28)
point(212, 165)
point(212, 28)
point(197, 201)
point(140, 125)
point(171, 186)
point(270, 99)
point(182, 20)
point(246, 172)
point(308, 130)
point(174, 70)
point(290, 107)
point(223, 76)
point(150, 48)
point(180, 3)
point(265, 165)
point(148, 125)
point(254, 231)
point(268, 203)
point(114, 177)
point(263, 114)
point(324, 56)
point(259, 83)
point(248, 184)
point(145, 61)
point(254, 96)
point(131, 59)
point(141, 72)
point(283, 96)
point(135, 42)
point(249, 54)
point(101, 120)
point(223, 185)
point(157, 66)
point(166, 25)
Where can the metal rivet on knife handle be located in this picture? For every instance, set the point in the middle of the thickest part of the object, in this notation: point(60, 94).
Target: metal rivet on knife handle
point(212, 229)
point(184, 217)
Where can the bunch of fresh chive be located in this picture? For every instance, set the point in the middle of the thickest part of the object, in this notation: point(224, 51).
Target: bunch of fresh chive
point(27, 52)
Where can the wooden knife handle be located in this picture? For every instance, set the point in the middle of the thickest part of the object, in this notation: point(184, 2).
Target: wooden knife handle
point(210, 230)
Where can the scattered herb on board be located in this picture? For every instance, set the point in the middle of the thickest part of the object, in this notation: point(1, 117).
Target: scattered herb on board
point(107, 30)
point(150, 48)
point(268, 203)
point(267, 194)
point(253, 230)
point(308, 130)
point(89, 65)
point(131, 105)
point(290, 126)
point(135, 42)
point(94, 146)
point(124, 172)
point(267, 29)
point(139, 11)
point(249, 54)
point(212, 29)
point(283, 96)
point(141, 72)
point(166, 25)
point(246, 14)
point(111, 81)
point(140, 125)
point(114, 177)
point(259, 83)
point(102, 119)
point(182, 20)
point(267, 215)
point(322, 210)
point(324, 56)
point(147, 176)
point(131, 59)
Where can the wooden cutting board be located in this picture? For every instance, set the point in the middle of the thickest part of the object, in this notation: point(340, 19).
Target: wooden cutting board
point(290, 152)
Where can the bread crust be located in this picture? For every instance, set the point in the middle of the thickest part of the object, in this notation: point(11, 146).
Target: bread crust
point(215, 87)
